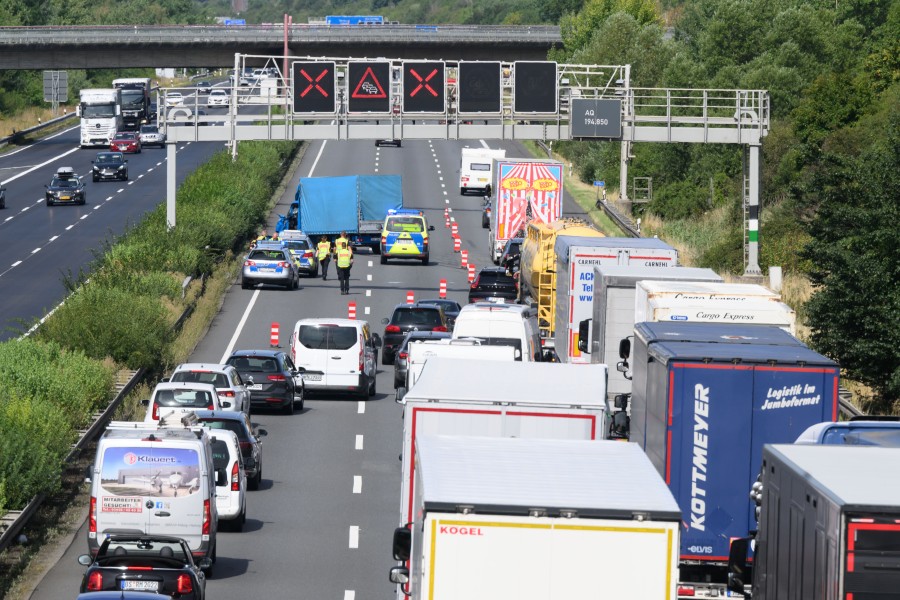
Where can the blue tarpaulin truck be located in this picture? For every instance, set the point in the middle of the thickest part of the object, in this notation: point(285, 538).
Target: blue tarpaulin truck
point(356, 204)
point(705, 399)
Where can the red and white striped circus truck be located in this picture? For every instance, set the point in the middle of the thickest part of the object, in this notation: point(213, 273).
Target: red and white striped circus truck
point(524, 190)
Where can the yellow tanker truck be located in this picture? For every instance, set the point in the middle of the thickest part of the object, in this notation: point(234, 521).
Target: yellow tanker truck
point(537, 266)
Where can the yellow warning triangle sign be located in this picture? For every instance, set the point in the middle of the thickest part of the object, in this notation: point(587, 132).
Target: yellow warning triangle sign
point(368, 87)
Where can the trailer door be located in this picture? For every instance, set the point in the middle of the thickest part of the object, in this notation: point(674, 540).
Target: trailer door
point(872, 565)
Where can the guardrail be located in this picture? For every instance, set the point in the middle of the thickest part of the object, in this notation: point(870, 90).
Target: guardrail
point(20, 134)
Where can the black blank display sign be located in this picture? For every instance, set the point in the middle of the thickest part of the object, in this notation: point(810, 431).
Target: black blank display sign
point(536, 87)
point(479, 87)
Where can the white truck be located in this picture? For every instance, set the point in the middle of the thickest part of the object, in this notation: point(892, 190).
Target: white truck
point(612, 312)
point(101, 115)
point(476, 170)
point(500, 399)
point(537, 520)
point(709, 302)
point(420, 351)
point(576, 258)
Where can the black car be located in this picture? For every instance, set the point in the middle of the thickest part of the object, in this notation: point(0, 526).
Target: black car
point(248, 435)
point(451, 309)
point(492, 284)
point(512, 253)
point(406, 318)
point(203, 87)
point(145, 563)
point(269, 375)
point(109, 165)
point(65, 188)
point(400, 357)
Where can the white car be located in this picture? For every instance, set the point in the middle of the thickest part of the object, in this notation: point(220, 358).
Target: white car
point(232, 390)
point(231, 495)
point(151, 136)
point(174, 99)
point(172, 401)
point(218, 98)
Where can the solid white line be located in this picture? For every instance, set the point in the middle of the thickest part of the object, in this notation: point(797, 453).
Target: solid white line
point(349, 595)
point(240, 326)
point(354, 536)
point(318, 156)
point(359, 441)
point(361, 408)
point(16, 264)
point(366, 310)
point(357, 484)
point(368, 293)
point(36, 167)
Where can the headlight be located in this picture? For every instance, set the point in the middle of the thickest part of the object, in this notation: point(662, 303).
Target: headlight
point(120, 167)
point(96, 168)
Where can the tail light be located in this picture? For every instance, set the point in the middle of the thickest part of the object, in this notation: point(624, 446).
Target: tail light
point(207, 518)
point(403, 355)
point(475, 283)
point(276, 377)
point(440, 328)
point(283, 265)
point(245, 446)
point(211, 406)
point(95, 582)
point(185, 584)
point(155, 413)
point(685, 590)
point(138, 568)
point(249, 263)
point(92, 515)
point(308, 254)
point(235, 477)
point(226, 394)
point(392, 329)
point(383, 239)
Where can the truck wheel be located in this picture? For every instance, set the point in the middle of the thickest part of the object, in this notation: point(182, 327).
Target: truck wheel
point(376, 249)
point(372, 387)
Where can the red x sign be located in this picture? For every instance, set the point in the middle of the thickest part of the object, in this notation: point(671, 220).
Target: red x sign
point(423, 83)
point(424, 86)
point(314, 83)
point(313, 86)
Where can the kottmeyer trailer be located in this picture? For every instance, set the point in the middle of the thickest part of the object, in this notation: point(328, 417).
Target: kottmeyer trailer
point(829, 525)
point(702, 411)
point(537, 520)
point(501, 399)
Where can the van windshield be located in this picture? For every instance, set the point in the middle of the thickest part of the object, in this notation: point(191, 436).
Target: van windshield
point(183, 398)
point(327, 337)
point(406, 224)
point(479, 167)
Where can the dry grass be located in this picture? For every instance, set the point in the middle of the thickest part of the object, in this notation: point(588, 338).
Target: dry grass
point(9, 124)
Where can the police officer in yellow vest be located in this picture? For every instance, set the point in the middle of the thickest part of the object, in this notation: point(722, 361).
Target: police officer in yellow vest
point(344, 256)
point(342, 238)
point(323, 253)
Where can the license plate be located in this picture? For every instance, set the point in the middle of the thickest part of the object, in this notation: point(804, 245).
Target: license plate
point(65, 197)
point(312, 377)
point(145, 586)
point(266, 270)
point(255, 386)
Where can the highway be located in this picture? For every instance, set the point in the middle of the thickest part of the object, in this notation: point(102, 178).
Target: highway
point(320, 527)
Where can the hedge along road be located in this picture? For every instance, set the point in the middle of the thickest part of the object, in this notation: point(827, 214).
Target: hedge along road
point(320, 527)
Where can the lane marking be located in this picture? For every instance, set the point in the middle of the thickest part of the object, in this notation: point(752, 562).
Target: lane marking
point(349, 595)
point(368, 277)
point(368, 293)
point(318, 156)
point(359, 441)
point(83, 217)
point(43, 164)
point(16, 264)
point(354, 536)
point(240, 327)
point(70, 227)
point(366, 310)
point(370, 263)
point(361, 408)
point(357, 484)
point(54, 237)
point(36, 250)
point(485, 144)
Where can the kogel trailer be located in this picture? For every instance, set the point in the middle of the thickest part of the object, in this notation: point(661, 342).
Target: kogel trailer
point(538, 520)
point(500, 399)
point(702, 411)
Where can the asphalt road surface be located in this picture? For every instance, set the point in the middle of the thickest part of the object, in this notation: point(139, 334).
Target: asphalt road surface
point(320, 526)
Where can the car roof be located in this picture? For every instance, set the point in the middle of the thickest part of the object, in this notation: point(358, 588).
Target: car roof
point(495, 270)
point(327, 321)
point(265, 353)
point(185, 385)
point(419, 304)
point(202, 367)
point(222, 415)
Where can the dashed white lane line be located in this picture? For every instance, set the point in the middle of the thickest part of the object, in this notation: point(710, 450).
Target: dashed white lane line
point(361, 407)
point(36, 250)
point(349, 595)
point(357, 484)
point(16, 264)
point(70, 227)
point(446, 201)
point(368, 293)
point(370, 263)
point(359, 442)
point(54, 237)
point(367, 310)
point(368, 277)
point(7, 219)
point(354, 536)
point(83, 217)
point(111, 197)
point(96, 206)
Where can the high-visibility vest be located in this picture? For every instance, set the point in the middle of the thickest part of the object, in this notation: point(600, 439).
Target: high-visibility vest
point(323, 248)
point(337, 242)
point(344, 256)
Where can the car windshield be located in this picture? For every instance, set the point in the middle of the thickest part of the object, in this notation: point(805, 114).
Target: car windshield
point(264, 364)
point(405, 224)
point(124, 136)
point(266, 255)
point(495, 278)
point(327, 337)
point(113, 157)
point(144, 548)
point(417, 317)
point(183, 398)
point(297, 244)
point(449, 305)
point(217, 379)
point(149, 129)
point(235, 427)
point(65, 183)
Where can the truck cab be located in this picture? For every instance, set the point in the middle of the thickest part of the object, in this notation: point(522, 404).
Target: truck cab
point(405, 235)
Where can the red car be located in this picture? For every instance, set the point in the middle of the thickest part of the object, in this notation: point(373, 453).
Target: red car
point(125, 141)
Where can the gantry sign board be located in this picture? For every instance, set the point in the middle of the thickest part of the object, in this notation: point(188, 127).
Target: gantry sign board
point(596, 118)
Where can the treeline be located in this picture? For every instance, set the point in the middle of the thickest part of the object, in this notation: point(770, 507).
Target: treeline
point(830, 195)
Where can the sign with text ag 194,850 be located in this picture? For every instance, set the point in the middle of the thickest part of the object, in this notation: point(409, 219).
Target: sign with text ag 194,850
point(369, 87)
point(423, 87)
point(479, 87)
point(536, 89)
point(596, 118)
point(313, 87)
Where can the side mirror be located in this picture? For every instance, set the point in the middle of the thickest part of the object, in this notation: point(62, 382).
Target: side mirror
point(399, 575)
point(165, 379)
point(88, 473)
point(92, 162)
point(402, 543)
point(298, 370)
point(146, 402)
point(625, 349)
point(620, 426)
point(621, 401)
point(738, 574)
point(221, 477)
point(205, 563)
point(431, 228)
point(262, 432)
point(85, 560)
point(226, 405)
point(584, 334)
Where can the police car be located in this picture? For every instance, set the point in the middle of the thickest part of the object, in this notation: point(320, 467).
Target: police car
point(65, 188)
point(302, 249)
point(405, 235)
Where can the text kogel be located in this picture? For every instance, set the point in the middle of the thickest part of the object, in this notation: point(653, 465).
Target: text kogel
point(701, 449)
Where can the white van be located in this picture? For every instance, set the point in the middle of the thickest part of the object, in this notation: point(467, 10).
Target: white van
point(338, 355)
point(172, 400)
point(501, 325)
point(476, 170)
point(154, 480)
point(231, 490)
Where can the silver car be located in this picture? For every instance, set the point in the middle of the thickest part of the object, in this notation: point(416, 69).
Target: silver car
point(232, 390)
point(270, 263)
point(151, 136)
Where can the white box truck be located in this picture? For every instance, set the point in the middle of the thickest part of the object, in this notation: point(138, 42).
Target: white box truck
point(420, 351)
point(746, 311)
point(697, 292)
point(612, 312)
point(537, 520)
point(476, 170)
point(456, 396)
point(576, 258)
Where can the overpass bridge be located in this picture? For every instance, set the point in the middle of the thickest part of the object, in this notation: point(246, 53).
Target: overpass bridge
point(214, 46)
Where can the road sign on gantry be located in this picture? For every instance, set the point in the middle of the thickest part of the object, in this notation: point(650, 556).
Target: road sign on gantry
point(369, 87)
point(535, 90)
point(423, 87)
point(313, 87)
point(479, 87)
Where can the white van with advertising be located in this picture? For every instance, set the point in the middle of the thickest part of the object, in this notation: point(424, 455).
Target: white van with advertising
point(154, 480)
point(173, 400)
point(501, 325)
point(231, 490)
point(337, 355)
